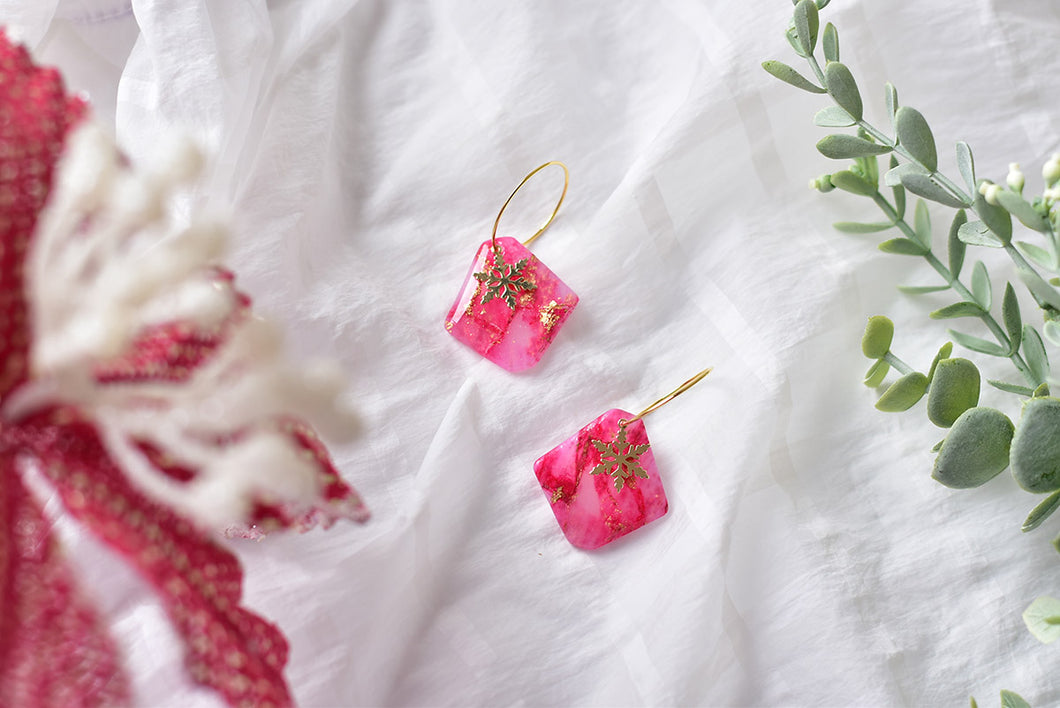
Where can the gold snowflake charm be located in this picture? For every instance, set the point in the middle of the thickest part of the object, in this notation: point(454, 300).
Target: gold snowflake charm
point(620, 459)
point(504, 280)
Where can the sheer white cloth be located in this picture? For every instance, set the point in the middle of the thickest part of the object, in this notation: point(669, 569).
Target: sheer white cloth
point(807, 559)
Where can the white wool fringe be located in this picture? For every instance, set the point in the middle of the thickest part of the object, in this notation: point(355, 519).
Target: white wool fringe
point(107, 262)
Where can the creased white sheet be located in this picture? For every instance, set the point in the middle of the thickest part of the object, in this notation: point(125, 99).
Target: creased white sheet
point(365, 146)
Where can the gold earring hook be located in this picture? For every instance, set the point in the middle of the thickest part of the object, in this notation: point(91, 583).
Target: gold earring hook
point(668, 397)
point(566, 183)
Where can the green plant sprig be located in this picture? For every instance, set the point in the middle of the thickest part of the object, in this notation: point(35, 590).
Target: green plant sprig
point(981, 442)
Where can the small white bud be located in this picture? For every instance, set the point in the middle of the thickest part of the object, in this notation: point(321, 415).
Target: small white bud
point(1051, 170)
point(992, 190)
point(1015, 177)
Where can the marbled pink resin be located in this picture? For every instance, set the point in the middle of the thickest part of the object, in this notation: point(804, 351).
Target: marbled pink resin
point(588, 508)
point(514, 339)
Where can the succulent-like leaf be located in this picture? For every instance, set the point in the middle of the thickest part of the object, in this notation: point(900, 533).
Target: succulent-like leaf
point(1051, 329)
point(842, 87)
point(982, 290)
point(806, 25)
point(841, 147)
point(1041, 512)
point(830, 42)
point(966, 165)
point(1011, 388)
point(854, 227)
point(954, 389)
point(1010, 314)
point(891, 97)
point(877, 373)
point(903, 247)
point(956, 247)
point(997, 219)
point(976, 233)
point(922, 223)
point(1013, 700)
point(1017, 206)
point(915, 136)
point(958, 309)
point(833, 117)
point(1035, 455)
point(789, 75)
point(978, 345)
point(976, 449)
point(1043, 293)
point(1042, 391)
point(903, 393)
point(893, 177)
point(879, 333)
point(1034, 353)
point(899, 191)
point(793, 40)
point(922, 289)
point(1043, 618)
point(1037, 254)
point(944, 353)
point(928, 187)
point(850, 182)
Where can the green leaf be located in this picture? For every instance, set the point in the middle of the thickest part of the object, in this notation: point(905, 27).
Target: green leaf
point(891, 97)
point(966, 165)
point(915, 136)
point(1037, 254)
point(833, 117)
point(899, 193)
point(794, 41)
point(1010, 314)
point(1044, 294)
point(957, 247)
point(1040, 513)
point(944, 353)
point(785, 73)
point(922, 223)
point(954, 389)
point(877, 373)
point(922, 289)
point(1051, 329)
point(1042, 391)
point(1043, 618)
point(842, 147)
point(978, 345)
point(879, 333)
point(972, 702)
point(1011, 388)
point(895, 174)
point(981, 287)
point(958, 309)
point(1017, 206)
point(976, 233)
point(903, 247)
point(822, 4)
point(843, 89)
point(853, 227)
point(806, 24)
point(830, 42)
point(926, 186)
point(1035, 455)
point(855, 184)
point(938, 446)
point(1034, 353)
point(996, 219)
point(903, 393)
point(1013, 700)
point(976, 449)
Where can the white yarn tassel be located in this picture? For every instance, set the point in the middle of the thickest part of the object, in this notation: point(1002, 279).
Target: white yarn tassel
point(107, 263)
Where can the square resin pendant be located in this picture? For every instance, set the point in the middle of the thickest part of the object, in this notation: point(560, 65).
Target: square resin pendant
point(511, 305)
point(602, 482)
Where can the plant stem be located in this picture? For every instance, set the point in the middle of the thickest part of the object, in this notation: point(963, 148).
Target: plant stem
point(958, 287)
point(897, 363)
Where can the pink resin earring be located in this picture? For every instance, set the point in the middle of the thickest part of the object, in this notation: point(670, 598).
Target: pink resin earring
point(511, 305)
point(602, 481)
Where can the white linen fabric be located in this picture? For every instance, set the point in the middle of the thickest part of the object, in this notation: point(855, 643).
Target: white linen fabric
point(364, 148)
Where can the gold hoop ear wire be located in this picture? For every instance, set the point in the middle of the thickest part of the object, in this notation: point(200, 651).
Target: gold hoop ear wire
point(566, 183)
point(668, 397)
